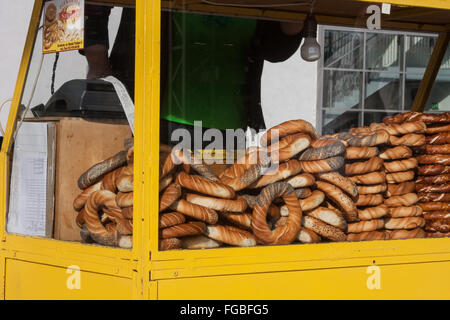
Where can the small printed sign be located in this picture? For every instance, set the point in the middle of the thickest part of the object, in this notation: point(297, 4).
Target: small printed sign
point(63, 26)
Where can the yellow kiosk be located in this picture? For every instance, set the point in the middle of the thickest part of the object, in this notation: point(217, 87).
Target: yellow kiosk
point(42, 268)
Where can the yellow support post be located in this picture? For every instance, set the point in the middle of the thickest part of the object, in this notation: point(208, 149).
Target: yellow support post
point(431, 72)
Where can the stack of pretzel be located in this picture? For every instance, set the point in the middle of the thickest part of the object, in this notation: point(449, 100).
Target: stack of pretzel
point(105, 205)
point(432, 183)
point(364, 167)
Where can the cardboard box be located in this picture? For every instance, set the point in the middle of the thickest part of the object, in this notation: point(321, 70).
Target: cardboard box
point(80, 144)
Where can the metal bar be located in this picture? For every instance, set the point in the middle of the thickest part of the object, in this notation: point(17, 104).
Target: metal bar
point(431, 72)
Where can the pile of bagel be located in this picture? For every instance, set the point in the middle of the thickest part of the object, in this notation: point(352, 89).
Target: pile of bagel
point(105, 204)
point(432, 182)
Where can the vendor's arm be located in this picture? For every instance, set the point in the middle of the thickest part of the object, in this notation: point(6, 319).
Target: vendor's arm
point(96, 41)
point(280, 40)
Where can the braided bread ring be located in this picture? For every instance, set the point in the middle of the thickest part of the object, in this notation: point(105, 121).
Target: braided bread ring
point(195, 211)
point(365, 226)
point(242, 220)
point(408, 199)
point(288, 128)
point(124, 199)
point(361, 152)
point(435, 197)
point(205, 186)
point(403, 212)
point(336, 195)
point(238, 205)
point(81, 199)
point(288, 232)
point(398, 177)
point(428, 188)
point(182, 230)
point(438, 179)
point(401, 129)
point(128, 212)
point(361, 167)
point(171, 219)
point(289, 146)
point(283, 171)
point(437, 129)
point(372, 189)
point(323, 229)
point(407, 234)
point(359, 130)
point(169, 244)
point(169, 196)
point(438, 234)
point(301, 180)
point(431, 170)
point(109, 180)
point(165, 182)
point(325, 165)
point(331, 216)
point(124, 180)
point(440, 138)
point(410, 140)
point(437, 149)
point(435, 206)
point(375, 177)
point(367, 236)
point(369, 139)
point(230, 235)
point(323, 149)
point(370, 213)
point(365, 200)
point(400, 165)
point(199, 242)
point(394, 189)
point(434, 215)
point(399, 152)
point(308, 236)
point(443, 159)
point(404, 223)
point(439, 225)
point(340, 181)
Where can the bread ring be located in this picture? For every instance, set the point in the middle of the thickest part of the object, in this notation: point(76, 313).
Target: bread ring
point(397, 189)
point(439, 225)
point(288, 232)
point(439, 138)
point(370, 213)
point(407, 199)
point(242, 220)
point(165, 182)
point(395, 153)
point(433, 129)
point(404, 223)
point(443, 159)
point(361, 167)
point(97, 171)
point(437, 180)
point(372, 189)
point(438, 234)
point(323, 149)
point(371, 139)
point(435, 206)
point(323, 229)
point(340, 181)
point(199, 242)
point(171, 219)
point(410, 140)
point(169, 244)
point(303, 193)
point(361, 152)
point(431, 170)
point(370, 178)
point(400, 165)
point(325, 165)
point(407, 234)
point(195, 211)
point(289, 146)
point(240, 176)
point(365, 226)
point(403, 212)
point(359, 130)
point(365, 200)
point(109, 180)
point(398, 177)
point(287, 128)
point(435, 215)
point(127, 212)
point(237, 205)
point(418, 116)
point(331, 216)
point(177, 157)
point(124, 199)
point(313, 201)
point(182, 230)
point(436, 149)
point(205, 186)
point(124, 180)
point(401, 128)
point(435, 197)
point(429, 188)
point(169, 196)
point(283, 171)
point(336, 195)
point(81, 199)
point(230, 235)
point(308, 236)
point(301, 180)
point(367, 236)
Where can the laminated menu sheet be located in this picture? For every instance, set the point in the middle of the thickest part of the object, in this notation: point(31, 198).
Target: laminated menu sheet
point(30, 203)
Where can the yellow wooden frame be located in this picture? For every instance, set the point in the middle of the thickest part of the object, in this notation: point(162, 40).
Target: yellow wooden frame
point(145, 265)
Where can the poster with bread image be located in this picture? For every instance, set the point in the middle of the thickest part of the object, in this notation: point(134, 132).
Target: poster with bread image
point(63, 27)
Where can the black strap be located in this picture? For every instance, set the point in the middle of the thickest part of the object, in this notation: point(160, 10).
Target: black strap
point(52, 88)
